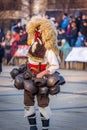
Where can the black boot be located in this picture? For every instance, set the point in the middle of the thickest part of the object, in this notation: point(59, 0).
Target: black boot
point(32, 122)
point(45, 123)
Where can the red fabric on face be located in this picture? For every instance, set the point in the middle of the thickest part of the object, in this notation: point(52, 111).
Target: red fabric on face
point(42, 67)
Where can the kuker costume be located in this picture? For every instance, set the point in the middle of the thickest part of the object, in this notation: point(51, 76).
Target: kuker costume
point(39, 77)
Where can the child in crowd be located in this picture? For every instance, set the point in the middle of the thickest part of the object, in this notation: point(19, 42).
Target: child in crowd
point(80, 40)
point(65, 48)
point(2, 52)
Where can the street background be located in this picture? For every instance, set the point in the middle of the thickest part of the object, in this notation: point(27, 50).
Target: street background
point(69, 107)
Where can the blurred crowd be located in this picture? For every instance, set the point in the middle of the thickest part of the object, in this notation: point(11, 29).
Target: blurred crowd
point(17, 35)
point(71, 30)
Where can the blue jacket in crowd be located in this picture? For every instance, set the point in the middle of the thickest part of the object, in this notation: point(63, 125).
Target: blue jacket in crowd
point(80, 41)
point(65, 23)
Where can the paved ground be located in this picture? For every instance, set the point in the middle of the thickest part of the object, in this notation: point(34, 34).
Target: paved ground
point(69, 108)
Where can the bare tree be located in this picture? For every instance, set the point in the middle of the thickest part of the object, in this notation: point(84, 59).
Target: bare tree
point(32, 7)
point(65, 4)
point(39, 7)
point(22, 8)
point(9, 9)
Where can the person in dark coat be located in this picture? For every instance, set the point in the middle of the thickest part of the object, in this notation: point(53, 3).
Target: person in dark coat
point(2, 52)
point(18, 27)
point(83, 28)
point(73, 35)
point(83, 19)
point(2, 35)
point(78, 23)
point(62, 34)
point(23, 37)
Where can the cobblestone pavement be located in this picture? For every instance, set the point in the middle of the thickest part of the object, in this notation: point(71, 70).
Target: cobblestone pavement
point(69, 108)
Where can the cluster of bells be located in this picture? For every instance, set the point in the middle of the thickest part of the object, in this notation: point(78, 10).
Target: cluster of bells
point(25, 79)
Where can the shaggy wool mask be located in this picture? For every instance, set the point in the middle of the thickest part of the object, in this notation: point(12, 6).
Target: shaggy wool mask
point(37, 49)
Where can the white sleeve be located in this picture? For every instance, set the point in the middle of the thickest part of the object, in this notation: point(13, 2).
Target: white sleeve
point(52, 61)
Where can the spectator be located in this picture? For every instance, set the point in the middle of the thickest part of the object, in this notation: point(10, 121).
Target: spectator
point(83, 28)
point(65, 48)
point(78, 23)
point(68, 31)
point(14, 42)
point(65, 21)
point(15, 36)
point(47, 16)
point(2, 35)
point(80, 40)
point(73, 35)
point(18, 27)
point(2, 53)
point(13, 27)
point(8, 35)
point(78, 18)
point(62, 34)
point(70, 19)
point(24, 27)
point(8, 45)
point(53, 19)
point(20, 42)
point(23, 37)
point(56, 25)
point(83, 17)
point(85, 42)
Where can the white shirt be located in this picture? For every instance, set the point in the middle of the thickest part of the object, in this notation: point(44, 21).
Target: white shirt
point(51, 59)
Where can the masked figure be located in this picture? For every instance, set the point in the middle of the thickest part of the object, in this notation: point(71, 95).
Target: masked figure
point(40, 77)
point(43, 61)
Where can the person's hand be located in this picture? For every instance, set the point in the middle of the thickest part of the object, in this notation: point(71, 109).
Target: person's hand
point(43, 73)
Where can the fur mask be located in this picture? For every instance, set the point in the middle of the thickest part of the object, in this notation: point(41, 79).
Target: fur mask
point(47, 30)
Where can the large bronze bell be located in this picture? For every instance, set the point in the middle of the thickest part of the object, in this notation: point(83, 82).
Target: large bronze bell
point(19, 81)
point(22, 68)
point(43, 90)
point(53, 79)
point(39, 82)
point(29, 86)
point(27, 75)
point(14, 73)
point(54, 90)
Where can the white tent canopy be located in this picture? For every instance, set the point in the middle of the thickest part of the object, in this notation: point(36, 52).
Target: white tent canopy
point(77, 54)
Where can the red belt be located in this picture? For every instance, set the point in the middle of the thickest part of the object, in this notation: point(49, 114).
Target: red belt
point(37, 68)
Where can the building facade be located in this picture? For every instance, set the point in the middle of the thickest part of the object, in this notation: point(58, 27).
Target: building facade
point(12, 10)
point(56, 7)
